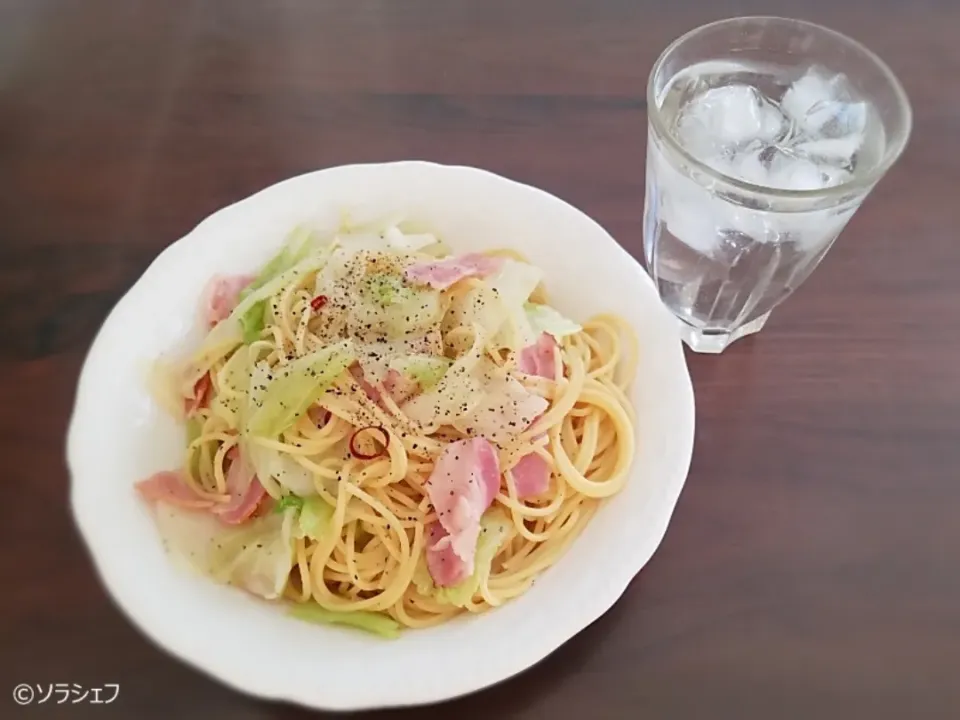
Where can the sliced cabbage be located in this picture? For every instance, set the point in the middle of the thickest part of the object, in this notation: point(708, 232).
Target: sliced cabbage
point(229, 333)
point(336, 281)
point(514, 283)
point(388, 306)
point(252, 322)
point(385, 289)
point(315, 516)
point(505, 409)
point(296, 386)
point(233, 380)
point(256, 555)
point(544, 319)
point(494, 531)
point(235, 374)
point(409, 242)
point(260, 377)
point(391, 238)
point(224, 337)
point(297, 246)
point(480, 307)
point(227, 408)
point(497, 306)
point(372, 622)
point(273, 403)
point(259, 456)
point(287, 502)
point(271, 464)
point(367, 294)
point(438, 250)
point(427, 370)
point(390, 231)
point(377, 357)
point(457, 393)
point(307, 265)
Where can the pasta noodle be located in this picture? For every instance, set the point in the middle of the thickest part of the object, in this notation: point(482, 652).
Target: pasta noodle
point(370, 555)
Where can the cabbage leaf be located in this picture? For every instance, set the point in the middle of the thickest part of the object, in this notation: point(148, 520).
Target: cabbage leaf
point(273, 464)
point(256, 556)
point(296, 247)
point(315, 516)
point(240, 325)
point(296, 386)
point(457, 392)
point(372, 622)
point(427, 370)
point(544, 319)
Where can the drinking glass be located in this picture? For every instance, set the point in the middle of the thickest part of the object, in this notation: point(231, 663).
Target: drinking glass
point(764, 137)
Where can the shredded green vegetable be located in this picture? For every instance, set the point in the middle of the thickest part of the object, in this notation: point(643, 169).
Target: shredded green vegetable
point(288, 501)
point(252, 322)
point(297, 386)
point(376, 623)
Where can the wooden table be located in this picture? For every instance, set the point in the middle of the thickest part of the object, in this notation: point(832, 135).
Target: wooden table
point(811, 569)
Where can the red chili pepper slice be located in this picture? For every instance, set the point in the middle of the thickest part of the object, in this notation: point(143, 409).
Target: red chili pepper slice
point(366, 456)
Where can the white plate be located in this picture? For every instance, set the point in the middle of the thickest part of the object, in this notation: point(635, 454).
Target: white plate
point(118, 436)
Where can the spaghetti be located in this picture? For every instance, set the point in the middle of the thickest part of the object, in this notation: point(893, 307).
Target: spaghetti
point(365, 453)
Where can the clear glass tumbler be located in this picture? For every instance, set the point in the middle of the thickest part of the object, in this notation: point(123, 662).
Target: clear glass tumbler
point(764, 137)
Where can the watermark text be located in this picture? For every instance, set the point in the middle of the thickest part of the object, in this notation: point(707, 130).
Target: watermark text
point(64, 693)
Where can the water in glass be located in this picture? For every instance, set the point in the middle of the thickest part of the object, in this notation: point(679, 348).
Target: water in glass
point(723, 258)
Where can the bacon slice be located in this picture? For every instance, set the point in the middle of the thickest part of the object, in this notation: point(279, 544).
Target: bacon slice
point(441, 274)
point(531, 476)
point(539, 359)
point(168, 486)
point(445, 566)
point(399, 386)
point(244, 489)
point(371, 391)
point(464, 481)
point(396, 385)
point(222, 295)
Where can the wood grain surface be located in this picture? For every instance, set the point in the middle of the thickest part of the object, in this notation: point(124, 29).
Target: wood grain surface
point(811, 568)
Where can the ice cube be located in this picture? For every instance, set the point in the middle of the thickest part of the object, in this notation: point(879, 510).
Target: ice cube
point(833, 175)
point(751, 166)
point(694, 215)
point(832, 124)
point(846, 119)
point(810, 99)
point(725, 118)
point(839, 150)
point(791, 172)
point(801, 100)
point(689, 219)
